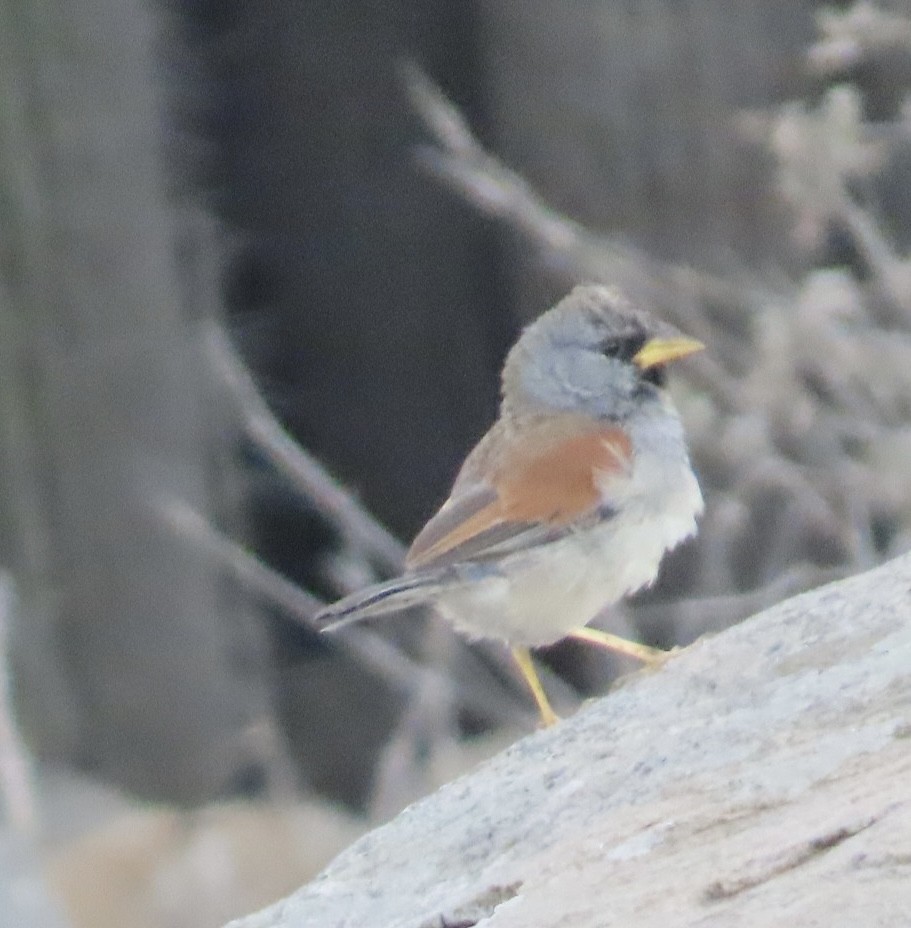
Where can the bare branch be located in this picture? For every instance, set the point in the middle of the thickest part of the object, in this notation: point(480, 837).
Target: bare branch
point(369, 648)
point(461, 161)
point(357, 527)
point(187, 523)
point(819, 150)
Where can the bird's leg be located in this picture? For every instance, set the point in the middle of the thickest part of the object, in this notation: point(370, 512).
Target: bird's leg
point(642, 652)
point(523, 659)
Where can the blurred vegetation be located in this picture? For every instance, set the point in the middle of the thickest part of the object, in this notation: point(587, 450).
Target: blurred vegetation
point(258, 271)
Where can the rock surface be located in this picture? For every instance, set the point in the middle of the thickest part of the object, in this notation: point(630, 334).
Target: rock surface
point(759, 778)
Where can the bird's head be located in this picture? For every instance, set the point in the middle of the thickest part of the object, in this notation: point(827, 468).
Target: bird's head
point(594, 353)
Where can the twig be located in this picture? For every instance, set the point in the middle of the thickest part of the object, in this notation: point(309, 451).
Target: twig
point(677, 293)
point(369, 648)
point(15, 779)
point(357, 527)
point(497, 190)
point(186, 522)
point(889, 270)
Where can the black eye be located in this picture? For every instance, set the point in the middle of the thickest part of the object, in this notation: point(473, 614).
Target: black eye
point(622, 346)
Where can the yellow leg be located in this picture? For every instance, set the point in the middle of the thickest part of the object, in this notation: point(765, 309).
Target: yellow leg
point(523, 659)
point(642, 652)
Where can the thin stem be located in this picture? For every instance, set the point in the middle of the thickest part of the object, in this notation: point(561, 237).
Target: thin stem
point(358, 528)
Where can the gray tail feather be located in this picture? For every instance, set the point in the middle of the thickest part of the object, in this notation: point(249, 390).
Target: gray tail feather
point(391, 596)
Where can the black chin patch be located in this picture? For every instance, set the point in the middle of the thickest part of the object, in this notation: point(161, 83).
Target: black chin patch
point(656, 375)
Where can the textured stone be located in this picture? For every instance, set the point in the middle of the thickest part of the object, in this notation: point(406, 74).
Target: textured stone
point(757, 778)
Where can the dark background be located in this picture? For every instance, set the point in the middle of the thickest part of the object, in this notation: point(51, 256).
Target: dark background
point(739, 168)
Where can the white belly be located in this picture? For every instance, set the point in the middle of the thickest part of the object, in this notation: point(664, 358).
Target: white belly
point(541, 595)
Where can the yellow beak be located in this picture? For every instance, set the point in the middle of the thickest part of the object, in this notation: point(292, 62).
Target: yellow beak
point(663, 350)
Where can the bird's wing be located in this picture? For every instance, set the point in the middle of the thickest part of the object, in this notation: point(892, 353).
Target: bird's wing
point(526, 501)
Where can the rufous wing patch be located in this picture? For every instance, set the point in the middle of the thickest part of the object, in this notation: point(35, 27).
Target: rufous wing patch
point(554, 487)
point(563, 483)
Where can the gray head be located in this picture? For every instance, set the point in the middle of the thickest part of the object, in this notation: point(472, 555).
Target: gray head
point(593, 353)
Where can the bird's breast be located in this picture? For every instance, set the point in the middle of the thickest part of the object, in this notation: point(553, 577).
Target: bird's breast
point(538, 596)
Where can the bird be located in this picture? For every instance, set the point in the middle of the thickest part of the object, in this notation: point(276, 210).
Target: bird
point(570, 500)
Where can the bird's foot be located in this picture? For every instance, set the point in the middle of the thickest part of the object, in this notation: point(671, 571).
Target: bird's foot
point(526, 666)
point(651, 657)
